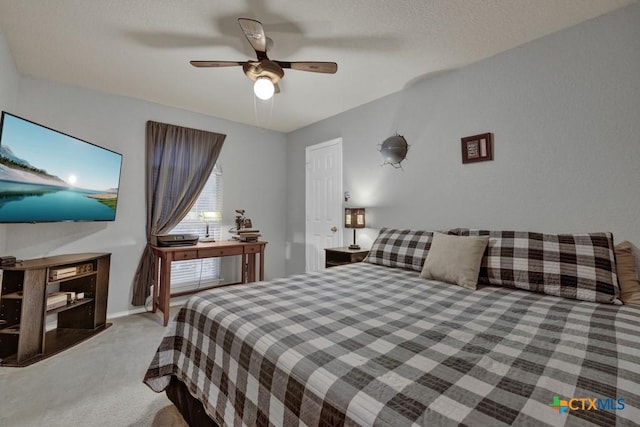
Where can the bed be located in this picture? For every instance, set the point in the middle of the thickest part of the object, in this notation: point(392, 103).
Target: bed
point(377, 343)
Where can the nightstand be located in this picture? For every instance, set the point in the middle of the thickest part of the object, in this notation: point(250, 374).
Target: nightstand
point(341, 256)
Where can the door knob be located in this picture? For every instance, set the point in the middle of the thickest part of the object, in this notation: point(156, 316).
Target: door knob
point(334, 229)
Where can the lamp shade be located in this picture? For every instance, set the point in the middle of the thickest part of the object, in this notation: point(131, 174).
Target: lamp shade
point(354, 218)
point(210, 216)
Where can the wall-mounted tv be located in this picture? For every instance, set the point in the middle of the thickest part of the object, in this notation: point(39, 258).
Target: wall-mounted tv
point(49, 176)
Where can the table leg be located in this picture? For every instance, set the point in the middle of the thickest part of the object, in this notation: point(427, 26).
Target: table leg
point(243, 273)
point(252, 267)
point(165, 288)
point(261, 263)
point(156, 282)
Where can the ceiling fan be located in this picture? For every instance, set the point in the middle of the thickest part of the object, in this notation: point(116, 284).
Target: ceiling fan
point(266, 73)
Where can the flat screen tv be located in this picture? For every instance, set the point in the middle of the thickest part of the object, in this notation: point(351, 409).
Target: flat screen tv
point(49, 176)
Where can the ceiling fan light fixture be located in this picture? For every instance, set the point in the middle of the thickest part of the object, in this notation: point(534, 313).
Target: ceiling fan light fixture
point(263, 88)
point(265, 73)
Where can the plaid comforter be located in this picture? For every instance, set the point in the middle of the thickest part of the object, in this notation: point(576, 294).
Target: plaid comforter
point(364, 344)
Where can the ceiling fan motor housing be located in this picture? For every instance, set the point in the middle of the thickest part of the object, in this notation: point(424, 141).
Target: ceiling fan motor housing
point(263, 68)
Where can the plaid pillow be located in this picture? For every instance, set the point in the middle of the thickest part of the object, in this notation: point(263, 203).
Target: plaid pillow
point(400, 248)
point(576, 266)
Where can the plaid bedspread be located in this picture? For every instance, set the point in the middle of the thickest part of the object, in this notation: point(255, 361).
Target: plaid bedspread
point(369, 345)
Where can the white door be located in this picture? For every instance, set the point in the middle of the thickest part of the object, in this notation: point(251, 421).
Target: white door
point(323, 201)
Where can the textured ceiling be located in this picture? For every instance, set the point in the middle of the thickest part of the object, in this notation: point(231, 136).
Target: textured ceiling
point(142, 48)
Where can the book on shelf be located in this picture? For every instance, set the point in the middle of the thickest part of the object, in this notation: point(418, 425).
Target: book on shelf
point(56, 299)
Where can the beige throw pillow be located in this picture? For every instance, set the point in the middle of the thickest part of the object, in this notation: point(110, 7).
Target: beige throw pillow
point(455, 259)
point(627, 274)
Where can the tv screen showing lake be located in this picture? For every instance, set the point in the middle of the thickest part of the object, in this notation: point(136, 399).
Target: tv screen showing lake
point(47, 176)
point(21, 202)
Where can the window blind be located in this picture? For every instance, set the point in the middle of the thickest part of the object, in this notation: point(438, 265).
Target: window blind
point(192, 274)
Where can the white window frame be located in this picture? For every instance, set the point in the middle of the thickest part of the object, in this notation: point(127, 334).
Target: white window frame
point(193, 274)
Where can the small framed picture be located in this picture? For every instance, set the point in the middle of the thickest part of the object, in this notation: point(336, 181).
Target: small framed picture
point(477, 148)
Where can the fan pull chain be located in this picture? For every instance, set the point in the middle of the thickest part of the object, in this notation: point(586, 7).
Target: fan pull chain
point(255, 112)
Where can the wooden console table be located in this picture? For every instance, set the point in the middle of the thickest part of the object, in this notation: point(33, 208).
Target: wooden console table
point(164, 256)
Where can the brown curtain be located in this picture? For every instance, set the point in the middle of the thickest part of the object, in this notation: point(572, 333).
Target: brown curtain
point(179, 161)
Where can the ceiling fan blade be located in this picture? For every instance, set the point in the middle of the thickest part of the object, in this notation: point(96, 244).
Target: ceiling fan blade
point(276, 88)
point(314, 66)
point(254, 33)
point(215, 63)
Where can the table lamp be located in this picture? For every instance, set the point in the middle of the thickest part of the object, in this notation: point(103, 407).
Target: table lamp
point(354, 218)
point(208, 217)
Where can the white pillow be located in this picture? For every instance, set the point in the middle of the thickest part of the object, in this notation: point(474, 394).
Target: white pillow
point(455, 259)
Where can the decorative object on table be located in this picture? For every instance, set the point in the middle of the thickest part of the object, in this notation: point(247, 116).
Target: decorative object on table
point(239, 219)
point(477, 148)
point(394, 150)
point(208, 217)
point(354, 218)
point(247, 235)
point(244, 231)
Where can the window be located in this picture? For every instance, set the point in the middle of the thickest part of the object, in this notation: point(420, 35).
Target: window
point(192, 274)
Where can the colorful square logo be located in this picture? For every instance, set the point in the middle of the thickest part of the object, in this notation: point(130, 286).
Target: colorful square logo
point(560, 405)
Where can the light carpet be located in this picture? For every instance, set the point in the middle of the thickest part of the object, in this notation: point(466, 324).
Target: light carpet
point(96, 383)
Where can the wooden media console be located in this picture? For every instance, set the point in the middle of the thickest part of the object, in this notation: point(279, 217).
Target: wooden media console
point(26, 287)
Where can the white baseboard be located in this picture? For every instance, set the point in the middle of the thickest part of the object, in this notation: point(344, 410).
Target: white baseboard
point(175, 301)
point(172, 302)
point(136, 310)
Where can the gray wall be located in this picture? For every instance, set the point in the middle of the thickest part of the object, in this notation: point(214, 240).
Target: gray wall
point(253, 162)
point(564, 111)
point(9, 79)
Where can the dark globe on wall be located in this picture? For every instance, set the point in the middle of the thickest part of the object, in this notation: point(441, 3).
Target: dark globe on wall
point(394, 150)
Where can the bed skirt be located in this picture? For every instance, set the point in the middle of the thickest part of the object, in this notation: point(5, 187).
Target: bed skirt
point(189, 407)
